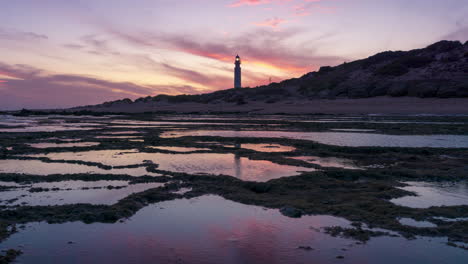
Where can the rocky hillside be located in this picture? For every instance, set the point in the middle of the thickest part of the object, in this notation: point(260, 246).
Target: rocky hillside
point(439, 70)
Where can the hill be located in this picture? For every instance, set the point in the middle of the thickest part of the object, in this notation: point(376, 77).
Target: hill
point(437, 71)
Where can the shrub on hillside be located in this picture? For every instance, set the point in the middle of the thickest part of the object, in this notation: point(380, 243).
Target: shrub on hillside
point(414, 61)
point(393, 69)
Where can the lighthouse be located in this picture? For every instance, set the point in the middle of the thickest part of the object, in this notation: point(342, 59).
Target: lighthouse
point(237, 73)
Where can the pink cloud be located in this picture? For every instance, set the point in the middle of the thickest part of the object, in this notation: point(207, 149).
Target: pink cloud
point(249, 2)
point(35, 88)
point(311, 7)
point(255, 2)
point(272, 22)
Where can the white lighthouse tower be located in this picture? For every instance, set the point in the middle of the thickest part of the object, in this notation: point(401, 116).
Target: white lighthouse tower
point(237, 73)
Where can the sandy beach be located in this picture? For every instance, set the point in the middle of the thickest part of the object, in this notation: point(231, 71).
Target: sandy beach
point(376, 105)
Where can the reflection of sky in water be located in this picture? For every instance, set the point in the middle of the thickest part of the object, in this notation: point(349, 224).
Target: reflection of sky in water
point(46, 128)
point(329, 162)
point(36, 167)
point(178, 149)
point(267, 147)
point(209, 230)
point(340, 139)
point(43, 124)
point(412, 222)
point(64, 145)
point(434, 194)
point(206, 163)
point(157, 123)
point(60, 197)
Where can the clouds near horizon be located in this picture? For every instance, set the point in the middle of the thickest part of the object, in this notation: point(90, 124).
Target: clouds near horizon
point(185, 46)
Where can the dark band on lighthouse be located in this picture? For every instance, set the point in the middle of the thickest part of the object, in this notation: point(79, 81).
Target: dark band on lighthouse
point(237, 73)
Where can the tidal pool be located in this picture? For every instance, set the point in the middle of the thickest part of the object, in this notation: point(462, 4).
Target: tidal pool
point(197, 163)
point(434, 194)
point(352, 130)
point(329, 162)
point(210, 229)
point(339, 138)
point(267, 147)
point(412, 222)
point(178, 149)
point(73, 192)
point(63, 145)
point(45, 129)
point(37, 167)
point(118, 137)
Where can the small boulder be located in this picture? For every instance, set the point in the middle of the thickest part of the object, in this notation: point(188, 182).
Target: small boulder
point(291, 212)
point(308, 248)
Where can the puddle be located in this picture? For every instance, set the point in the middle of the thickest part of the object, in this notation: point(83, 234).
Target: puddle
point(199, 163)
point(414, 223)
point(37, 167)
point(450, 219)
point(122, 132)
point(183, 190)
point(329, 162)
point(179, 149)
point(45, 129)
point(77, 195)
point(434, 194)
point(172, 231)
point(63, 145)
point(352, 130)
point(170, 123)
point(339, 139)
point(267, 147)
point(124, 137)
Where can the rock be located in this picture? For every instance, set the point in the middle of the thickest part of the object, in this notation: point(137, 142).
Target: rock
point(291, 212)
point(308, 248)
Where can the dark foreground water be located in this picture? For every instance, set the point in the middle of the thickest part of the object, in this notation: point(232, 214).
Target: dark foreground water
point(210, 229)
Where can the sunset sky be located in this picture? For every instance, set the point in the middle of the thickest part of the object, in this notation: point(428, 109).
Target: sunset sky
point(58, 53)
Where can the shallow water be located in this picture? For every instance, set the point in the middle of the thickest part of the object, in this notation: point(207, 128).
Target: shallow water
point(434, 194)
point(37, 167)
point(64, 145)
point(165, 123)
point(45, 129)
point(339, 139)
point(412, 222)
point(352, 130)
point(178, 149)
point(199, 163)
point(76, 195)
point(329, 162)
point(118, 137)
point(209, 230)
point(267, 147)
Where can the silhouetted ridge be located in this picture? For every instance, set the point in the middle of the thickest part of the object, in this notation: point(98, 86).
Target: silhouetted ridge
point(439, 70)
